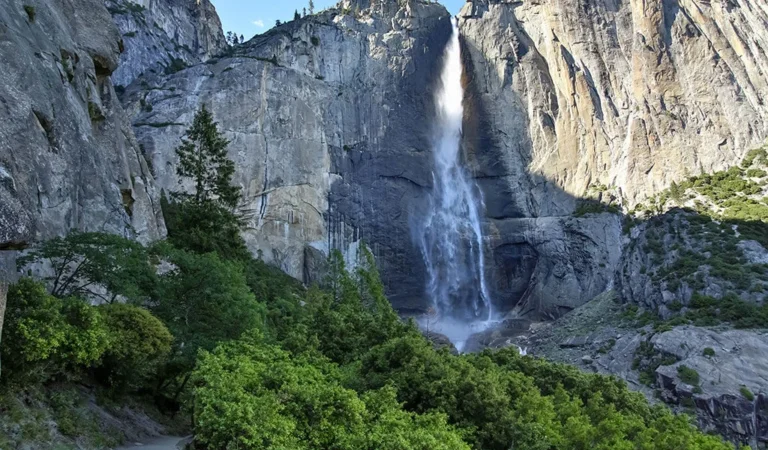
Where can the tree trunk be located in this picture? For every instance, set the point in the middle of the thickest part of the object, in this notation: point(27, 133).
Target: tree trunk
point(8, 275)
point(3, 299)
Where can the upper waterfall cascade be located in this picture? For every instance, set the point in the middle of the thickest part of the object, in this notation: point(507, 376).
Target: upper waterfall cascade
point(450, 234)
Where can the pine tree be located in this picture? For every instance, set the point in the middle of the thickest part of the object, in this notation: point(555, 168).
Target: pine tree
point(203, 158)
point(296, 15)
point(305, 12)
point(242, 39)
point(311, 7)
point(278, 23)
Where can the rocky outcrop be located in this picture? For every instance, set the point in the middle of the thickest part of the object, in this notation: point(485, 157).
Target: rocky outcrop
point(68, 155)
point(731, 396)
point(626, 94)
point(164, 35)
point(544, 267)
point(719, 375)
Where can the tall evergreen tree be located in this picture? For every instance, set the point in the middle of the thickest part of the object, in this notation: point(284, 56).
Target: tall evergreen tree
point(296, 15)
point(311, 7)
point(203, 158)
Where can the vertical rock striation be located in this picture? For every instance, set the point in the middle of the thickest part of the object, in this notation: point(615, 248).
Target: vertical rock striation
point(329, 120)
point(626, 93)
point(68, 156)
point(164, 35)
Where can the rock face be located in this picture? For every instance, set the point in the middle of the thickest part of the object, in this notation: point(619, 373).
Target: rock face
point(732, 394)
point(68, 156)
point(546, 266)
point(329, 121)
point(624, 93)
point(164, 35)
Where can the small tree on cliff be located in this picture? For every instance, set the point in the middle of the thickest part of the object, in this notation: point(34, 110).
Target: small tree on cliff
point(204, 221)
point(203, 158)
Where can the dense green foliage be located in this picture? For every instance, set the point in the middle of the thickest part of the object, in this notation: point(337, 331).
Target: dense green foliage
point(333, 367)
point(139, 343)
point(204, 228)
point(203, 300)
point(46, 337)
point(706, 311)
point(250, 394)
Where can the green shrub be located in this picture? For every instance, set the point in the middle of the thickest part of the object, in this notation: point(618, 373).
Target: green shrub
point(759, 155)
point(139, 343)
point(34, 330)
point(709, 352)
point(86, 334)
point(45, 337)
point(176, 65)
point(746, 393)
point(591, 206)
point(30, 10)
point(688, 375)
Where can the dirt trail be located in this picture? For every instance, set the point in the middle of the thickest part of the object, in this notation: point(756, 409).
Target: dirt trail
point(158, 443)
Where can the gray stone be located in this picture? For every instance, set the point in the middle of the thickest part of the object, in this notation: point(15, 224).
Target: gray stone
point(754, 252)
point(739, 361)
point(328, 118)
point(155, 33)
point(628, 95)
point(68, 154)
point(575, 341)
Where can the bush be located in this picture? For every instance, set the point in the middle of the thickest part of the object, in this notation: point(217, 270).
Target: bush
point(86, 334)
point(746, 393)
point(45, 337)
point(176, 65)
point(30, 10)
point(139, 342)
point(709, 352)
point(688, 375)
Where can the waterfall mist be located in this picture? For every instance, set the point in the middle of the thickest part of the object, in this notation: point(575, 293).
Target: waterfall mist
point(449, 232)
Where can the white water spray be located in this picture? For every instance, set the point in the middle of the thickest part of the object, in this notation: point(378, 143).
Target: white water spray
point(450, 234)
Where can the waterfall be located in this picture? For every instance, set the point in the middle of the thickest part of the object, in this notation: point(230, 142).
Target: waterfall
point(450, 234)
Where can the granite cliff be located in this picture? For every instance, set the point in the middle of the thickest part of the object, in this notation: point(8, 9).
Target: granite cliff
point(68, 155)
point(159, 35)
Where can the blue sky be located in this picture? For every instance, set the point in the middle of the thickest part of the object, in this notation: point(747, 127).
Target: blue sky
point(249, 17)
